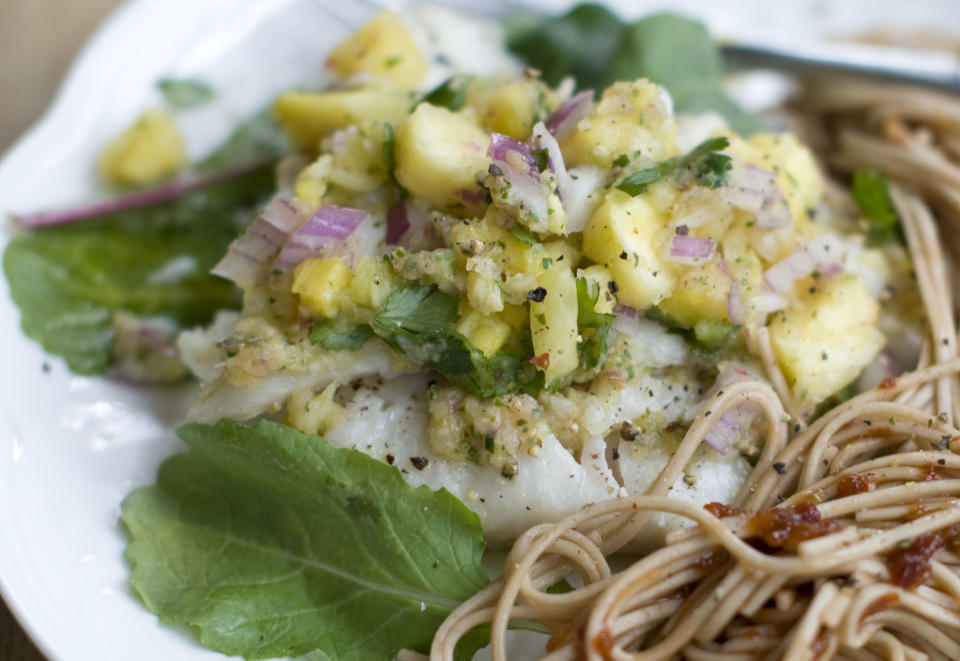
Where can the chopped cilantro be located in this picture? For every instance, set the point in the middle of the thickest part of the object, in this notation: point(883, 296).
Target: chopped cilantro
point(704, 163)
point(596, 328)
point(326, 335)
point(450, 94)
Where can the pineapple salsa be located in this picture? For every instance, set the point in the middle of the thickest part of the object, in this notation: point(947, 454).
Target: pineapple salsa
point(525, 294)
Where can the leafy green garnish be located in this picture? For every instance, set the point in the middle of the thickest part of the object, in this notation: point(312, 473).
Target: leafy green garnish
point(520, 233)
point(707, 335)
point(598, 49)
point(450, 94)
point(69, 280)
point(185, 92)
point(271, 543)
point(419, 321)
point(871, 192)
point(704, 163)
point(596, 329)
point(326, 335)
point(388, 152)
point(580, 43)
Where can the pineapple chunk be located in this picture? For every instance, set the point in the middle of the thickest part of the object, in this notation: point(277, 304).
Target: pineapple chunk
point(440, 156)
point(621, 236)
point(513, 108)
point(630, 119)
point(553, 323)
point(797, 173)
point(307, 117)
point(825, 339)
point(311, 183)
point(383, 48)
point(373, 281)
point(487, 332)
point(149, 150)
point(320, 283)
point(702, 293)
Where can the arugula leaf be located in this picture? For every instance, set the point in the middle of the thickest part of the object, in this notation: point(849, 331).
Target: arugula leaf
point(598, 49)
point(580, 43)
point(871, 192)
point(185, 92)
point(418, 321)
point(704, 163)
point(450, 94)
point(272, 543)
point(69, 280)
point(678, 53)
point(596, 344)
point(326, 335)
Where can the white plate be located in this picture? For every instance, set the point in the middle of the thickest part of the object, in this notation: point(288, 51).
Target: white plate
point(71, 448)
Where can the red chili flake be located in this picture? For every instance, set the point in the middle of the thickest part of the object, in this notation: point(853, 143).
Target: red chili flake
point(887, 383)
point(930, 473)
point(854, 483)
point(722, 511)
point(910, 566)
point(740, 371)
point(594, 456)
point(787, 527)
point(604, 642)
point(881, 604)
point(542, 361)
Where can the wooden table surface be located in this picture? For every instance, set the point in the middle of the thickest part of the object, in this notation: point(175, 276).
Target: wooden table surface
point(38, 39)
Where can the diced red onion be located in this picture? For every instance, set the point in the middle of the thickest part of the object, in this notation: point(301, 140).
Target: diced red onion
point(736, 309)
point(398, 222)
point(504, 150)
point(143, 198)
point(470, 195)
point(624, 311)
point(735, 423)
point(263, 239)
point(686, 249)
point(569, 114)
point(518, 169)
point(329, 226)
point(803, 261)
point(756, 190)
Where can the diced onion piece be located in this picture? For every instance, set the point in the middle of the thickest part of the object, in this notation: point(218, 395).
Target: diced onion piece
point(686, 249)
point(569, 114)
point(624, 311)
point(514, 162)
point(756, 190)
point(246, 260)
point(398, 222)
point(823, 254)
point(329, 226)
point(512, 153)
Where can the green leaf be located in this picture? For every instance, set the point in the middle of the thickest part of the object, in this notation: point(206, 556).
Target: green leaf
point(871, 192)
point(704, 163)
point(520, 233)
point(326, 335)
point(596, 329)
point(678, 53)
point(418, 321)
point(580, 43)
point(69, 280)
point(388, 153)
point(270, 543)
point(185, 92)
point(708, 336)
point(450, 94)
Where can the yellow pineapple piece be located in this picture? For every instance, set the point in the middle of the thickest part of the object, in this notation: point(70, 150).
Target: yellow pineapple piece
point(382, 48)
point(320, 282)
point(149, 150)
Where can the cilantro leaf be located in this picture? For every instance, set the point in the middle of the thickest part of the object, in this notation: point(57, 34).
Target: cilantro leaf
point(595, 328)
point(185, 92)
point(704, 163)
point(418, 321)
point(520, 233)
point(388, 152)
point(270, 543)
point(326, 335)
point(871, 193)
